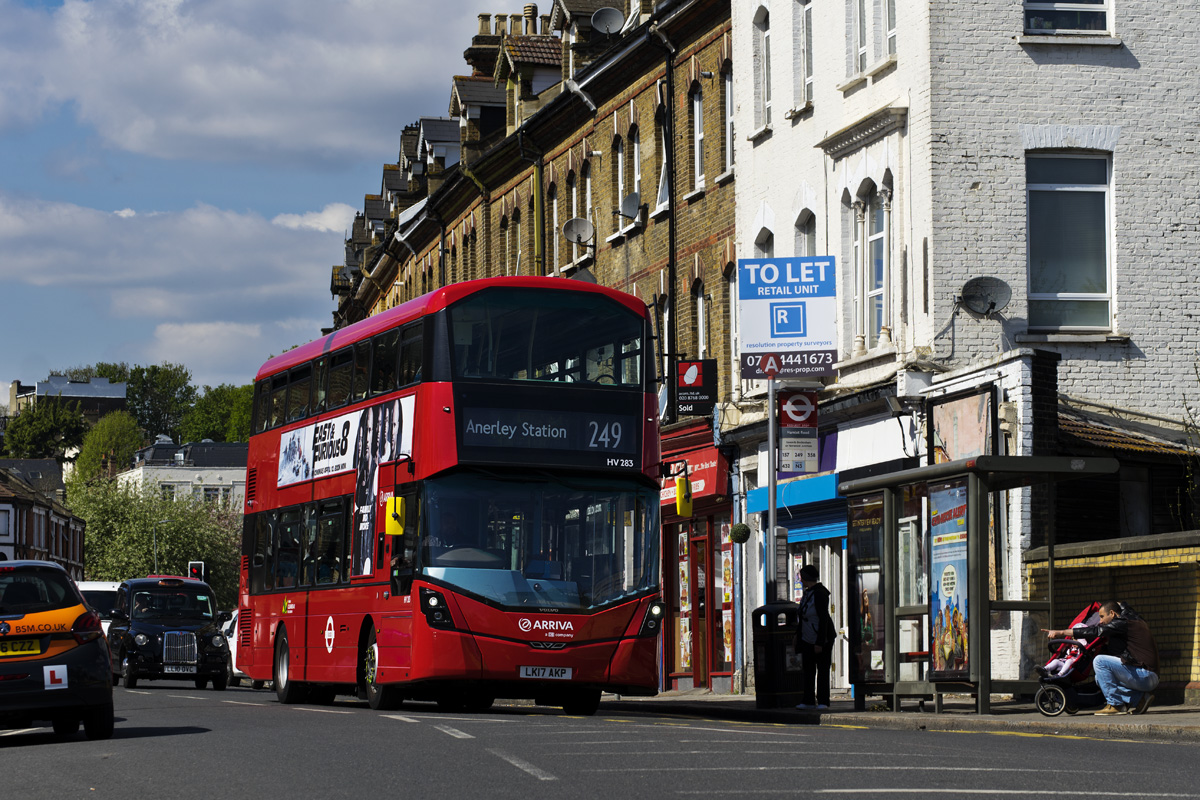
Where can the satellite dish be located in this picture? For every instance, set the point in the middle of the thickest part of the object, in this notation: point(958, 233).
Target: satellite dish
point(631, 206)
point(985, 295)
point(578, 230)
point(608, 20)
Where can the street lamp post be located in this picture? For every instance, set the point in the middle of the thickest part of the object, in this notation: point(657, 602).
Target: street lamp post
point(160, 522)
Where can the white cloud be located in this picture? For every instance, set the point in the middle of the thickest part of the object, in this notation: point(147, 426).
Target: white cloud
point(335, 217)
point(216, 290)
point(236, 80)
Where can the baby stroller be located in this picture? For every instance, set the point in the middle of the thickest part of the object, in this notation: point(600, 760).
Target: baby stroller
point(1067, 681)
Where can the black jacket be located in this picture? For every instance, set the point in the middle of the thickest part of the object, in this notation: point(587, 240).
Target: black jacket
point(816, 599)
point(1127, 637)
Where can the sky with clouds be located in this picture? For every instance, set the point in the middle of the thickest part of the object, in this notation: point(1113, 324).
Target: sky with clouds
point(177, 177)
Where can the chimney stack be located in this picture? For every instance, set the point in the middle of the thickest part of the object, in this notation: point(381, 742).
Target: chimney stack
point(485, 24)
point(545, 26)
point(501, 24)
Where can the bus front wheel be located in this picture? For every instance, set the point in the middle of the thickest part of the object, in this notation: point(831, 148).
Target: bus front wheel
point(287, 690)
point(381, 696)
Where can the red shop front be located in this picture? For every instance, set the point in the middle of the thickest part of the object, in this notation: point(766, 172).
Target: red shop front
point(698, 572)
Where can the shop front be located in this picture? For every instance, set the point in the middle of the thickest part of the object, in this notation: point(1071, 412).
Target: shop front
point(699, 569)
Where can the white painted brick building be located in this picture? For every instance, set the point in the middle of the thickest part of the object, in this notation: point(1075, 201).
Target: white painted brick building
point(927, 144)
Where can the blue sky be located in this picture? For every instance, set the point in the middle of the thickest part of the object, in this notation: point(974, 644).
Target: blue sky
point(177, 176)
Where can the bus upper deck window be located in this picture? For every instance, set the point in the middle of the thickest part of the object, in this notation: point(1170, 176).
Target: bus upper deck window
point(298, 392)
point(279, 385)
point(320, 384)
point(340, 378)
point(383, 361)
point(410, 355)
point(362, 370)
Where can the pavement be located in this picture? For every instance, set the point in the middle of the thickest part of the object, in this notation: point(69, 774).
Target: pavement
point(1174, 723)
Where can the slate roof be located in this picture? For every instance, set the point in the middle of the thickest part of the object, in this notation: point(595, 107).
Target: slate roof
point(43, 474)
point(393, 179)
point(375, 207)
point(477, 90)
point(538, 50)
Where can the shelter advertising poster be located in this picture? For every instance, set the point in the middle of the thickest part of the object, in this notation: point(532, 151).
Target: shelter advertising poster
point(865, 548)
point(948, 580)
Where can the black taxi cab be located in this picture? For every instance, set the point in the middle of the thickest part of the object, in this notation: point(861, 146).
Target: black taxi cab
point(167, 627)
point(54, 663)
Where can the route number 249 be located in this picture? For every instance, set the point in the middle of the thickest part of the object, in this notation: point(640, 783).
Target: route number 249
point(606, 436)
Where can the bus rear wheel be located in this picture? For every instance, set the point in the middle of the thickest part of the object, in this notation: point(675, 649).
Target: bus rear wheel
point(380, 696)
point(287, 690)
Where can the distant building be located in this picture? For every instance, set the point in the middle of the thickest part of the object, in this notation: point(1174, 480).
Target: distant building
point(43, 474)
point(96, 397)
point(33, 525)
point(210, 471)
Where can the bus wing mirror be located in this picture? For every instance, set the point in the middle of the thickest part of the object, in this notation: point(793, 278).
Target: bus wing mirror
point(395, 516)
point(683, 496)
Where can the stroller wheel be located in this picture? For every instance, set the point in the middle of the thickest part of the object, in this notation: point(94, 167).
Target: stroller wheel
point(1051, 700)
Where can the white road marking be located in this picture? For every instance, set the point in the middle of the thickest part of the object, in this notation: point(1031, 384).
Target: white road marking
point(323, 710)
point(455, 732)
point(525, 766)
point(186, 696)
point(134, 691)
point(797, 767)
point(397, 716)
point(244, 703)
point(890, 791)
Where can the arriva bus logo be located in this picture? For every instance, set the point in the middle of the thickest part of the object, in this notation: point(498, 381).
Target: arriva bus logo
point(526, 624)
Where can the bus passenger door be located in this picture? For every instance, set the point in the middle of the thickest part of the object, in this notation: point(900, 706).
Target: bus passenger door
point(399, 548)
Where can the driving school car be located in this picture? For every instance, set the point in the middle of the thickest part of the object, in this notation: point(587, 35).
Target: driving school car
point(53, 655)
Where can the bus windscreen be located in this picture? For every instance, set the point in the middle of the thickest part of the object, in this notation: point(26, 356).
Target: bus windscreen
point(535, 542)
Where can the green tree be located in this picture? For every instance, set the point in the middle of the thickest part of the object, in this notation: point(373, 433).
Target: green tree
point(221, 414)
point(112, 441)
point(159, 396)
point(128, 525)
point(47, 429)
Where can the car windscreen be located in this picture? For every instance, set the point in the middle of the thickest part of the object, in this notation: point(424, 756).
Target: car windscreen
point(31, 590)
point(162, 602)
point(101, 600)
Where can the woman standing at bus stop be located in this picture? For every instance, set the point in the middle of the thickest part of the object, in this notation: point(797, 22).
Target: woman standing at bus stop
point(814, 639)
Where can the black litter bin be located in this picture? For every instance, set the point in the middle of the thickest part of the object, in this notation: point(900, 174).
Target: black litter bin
point(777, 679)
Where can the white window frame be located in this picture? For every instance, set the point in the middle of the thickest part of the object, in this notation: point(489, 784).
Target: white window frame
point(701, 325)
point(1105, 297)
point(727, 105)
point(870, 331)
point(663, 198)
point(573, 188)
point(1032, 26)
point(861, 36)
point(889, 25)
point(762, 68)
point(802, 42)
point(619, 168)
point(806, 234)
point(697, 99)
point(552, 196)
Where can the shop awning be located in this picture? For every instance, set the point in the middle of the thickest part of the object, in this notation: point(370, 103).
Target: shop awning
point(997, 472)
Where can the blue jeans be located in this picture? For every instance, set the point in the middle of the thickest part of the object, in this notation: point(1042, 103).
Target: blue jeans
point(1122, 684)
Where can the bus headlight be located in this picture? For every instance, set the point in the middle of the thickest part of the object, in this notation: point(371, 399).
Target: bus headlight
point(652, 623)
point(437, 614)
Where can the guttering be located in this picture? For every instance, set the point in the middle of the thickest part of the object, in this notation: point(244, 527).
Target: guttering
point(669, 167)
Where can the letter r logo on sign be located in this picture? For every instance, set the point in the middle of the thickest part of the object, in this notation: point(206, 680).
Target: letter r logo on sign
point(55, 677)
point(787, 319)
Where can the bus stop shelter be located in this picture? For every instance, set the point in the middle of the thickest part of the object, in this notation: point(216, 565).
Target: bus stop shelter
point(927, 557)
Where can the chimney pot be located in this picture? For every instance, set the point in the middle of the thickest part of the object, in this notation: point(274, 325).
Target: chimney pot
point(531, 19)
point(545, 24)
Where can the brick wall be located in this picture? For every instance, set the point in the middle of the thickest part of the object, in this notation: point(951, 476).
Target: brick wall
point(1159, 576)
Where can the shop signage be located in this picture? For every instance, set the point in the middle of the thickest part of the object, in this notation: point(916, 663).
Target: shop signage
point(707, 469)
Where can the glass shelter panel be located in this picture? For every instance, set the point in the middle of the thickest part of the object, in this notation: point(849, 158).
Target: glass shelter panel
point(865, 553)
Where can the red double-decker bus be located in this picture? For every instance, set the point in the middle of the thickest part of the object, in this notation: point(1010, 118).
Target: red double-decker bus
point(457, 500)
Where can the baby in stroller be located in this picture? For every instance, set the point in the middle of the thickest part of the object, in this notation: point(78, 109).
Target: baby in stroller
point(1061, 664)
point(1067, 681)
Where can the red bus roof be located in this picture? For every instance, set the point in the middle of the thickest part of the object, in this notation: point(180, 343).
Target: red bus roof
point(428, 304)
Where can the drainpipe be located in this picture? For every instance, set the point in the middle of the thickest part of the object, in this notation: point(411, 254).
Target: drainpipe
point(669, 134)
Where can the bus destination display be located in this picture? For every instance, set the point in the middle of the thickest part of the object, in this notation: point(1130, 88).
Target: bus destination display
point(549, 430)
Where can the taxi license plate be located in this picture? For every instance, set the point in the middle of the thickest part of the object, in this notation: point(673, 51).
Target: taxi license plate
point(547, 673)
point(20, 647)
point(183, 668)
